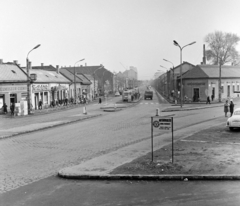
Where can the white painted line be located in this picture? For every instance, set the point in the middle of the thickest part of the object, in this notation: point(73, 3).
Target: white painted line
point(231, 143)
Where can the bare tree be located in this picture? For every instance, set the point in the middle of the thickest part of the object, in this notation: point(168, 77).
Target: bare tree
point(222, 50)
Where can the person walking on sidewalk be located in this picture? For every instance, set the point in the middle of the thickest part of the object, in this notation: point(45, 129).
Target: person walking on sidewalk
point(208, 100)
point(226, 105)
point(231, 107)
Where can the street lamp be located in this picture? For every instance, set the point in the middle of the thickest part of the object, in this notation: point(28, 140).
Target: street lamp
point(29, 99)
point(94, 80)
point(75, 89)
point(181, 48)
point(172, 71)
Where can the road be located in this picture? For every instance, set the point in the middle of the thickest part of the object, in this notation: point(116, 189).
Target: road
point(61, 192)
point(31, 157)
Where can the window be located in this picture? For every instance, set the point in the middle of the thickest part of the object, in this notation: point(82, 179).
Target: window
point(13, 71)
point(233, 88)
point(222, 89)
point(237, 87)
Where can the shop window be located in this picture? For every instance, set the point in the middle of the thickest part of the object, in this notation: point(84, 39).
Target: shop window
point(222, 89)
point(233, 88)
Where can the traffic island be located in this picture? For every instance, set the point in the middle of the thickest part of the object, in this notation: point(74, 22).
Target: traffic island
point(112, 110)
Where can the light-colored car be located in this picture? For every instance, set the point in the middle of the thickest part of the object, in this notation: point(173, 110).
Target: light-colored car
point(234, 120)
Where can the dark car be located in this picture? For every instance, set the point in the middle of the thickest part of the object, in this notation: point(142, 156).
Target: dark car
point(148, 95)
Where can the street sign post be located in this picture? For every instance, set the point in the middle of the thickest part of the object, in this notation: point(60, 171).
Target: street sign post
point(161, 123)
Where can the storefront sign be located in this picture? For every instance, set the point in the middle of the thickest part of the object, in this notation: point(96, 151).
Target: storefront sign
point(13, 88)
point(196, 83)
point(40, 87)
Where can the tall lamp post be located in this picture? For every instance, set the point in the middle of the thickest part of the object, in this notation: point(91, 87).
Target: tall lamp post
point(173, 73)
point(94, 80)
point(181, 48)
point(29, 99)
point(75, 88)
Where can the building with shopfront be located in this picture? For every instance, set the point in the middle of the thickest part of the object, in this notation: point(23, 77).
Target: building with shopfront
point(203, 81)
point(50, 87)
point(13, 84)
point(81, 82)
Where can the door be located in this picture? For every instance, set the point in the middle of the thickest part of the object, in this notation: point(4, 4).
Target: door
point(228, 90)
point(195, 94)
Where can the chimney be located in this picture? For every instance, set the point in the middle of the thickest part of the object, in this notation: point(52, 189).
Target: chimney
point(15, 61)
point(1, 61)
point(41, 64)
point(204, 55)
point(57, 67)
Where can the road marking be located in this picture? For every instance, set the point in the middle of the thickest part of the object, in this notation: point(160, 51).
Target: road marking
point(231, 143)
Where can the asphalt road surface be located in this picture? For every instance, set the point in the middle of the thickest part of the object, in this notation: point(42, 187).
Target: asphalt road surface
point(61, 192)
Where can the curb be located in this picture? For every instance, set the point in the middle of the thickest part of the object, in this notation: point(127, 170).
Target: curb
point(52, 126)
point(151, 177)
point(187, 109)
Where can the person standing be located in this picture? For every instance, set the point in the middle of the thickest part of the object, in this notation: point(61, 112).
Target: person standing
point(12, 108)
point(212, 96)
point(208, 100)
point(5, 108)
point(226, 105)
point(231, 107)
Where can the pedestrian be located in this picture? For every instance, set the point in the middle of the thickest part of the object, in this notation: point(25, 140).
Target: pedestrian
point(5, 108)
point(40, 104)
point(208, 100)
point(12, 108)
point(100, 100)
point(231, 107)
point(226, 105)
point(212, 96)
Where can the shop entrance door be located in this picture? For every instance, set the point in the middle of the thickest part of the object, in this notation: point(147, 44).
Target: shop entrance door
point(195, 94)
point(12, 98)
point(228, 90)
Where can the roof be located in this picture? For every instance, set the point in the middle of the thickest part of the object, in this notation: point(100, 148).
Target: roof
point(48, 68)
point(90, 77)
point(44, 76)
point(10, 72)
point(183, 64)
point(212, 71)
point(70, 76)
point(85, 80)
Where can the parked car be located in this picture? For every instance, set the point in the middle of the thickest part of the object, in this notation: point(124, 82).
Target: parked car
point(234, 120)
point(148, 95)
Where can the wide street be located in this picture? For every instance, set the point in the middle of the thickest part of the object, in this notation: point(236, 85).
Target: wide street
point(31, 161)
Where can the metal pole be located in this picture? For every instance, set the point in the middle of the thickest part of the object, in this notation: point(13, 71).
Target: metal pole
point(181, 74)
point(94, 85)
point(172, 141)
point(28, 87)
point(75, 90)
point(152, 136)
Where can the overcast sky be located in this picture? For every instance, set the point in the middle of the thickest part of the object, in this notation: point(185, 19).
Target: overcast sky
point(115, 33)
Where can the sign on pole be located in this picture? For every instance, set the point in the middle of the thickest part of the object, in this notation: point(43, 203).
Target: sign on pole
point(161, 123)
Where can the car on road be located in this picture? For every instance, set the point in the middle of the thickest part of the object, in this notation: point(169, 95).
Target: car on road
point(148, 95)
point(234, 120)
